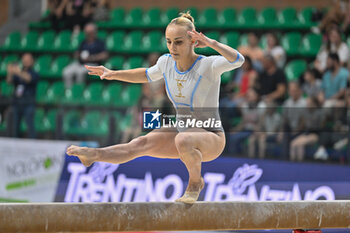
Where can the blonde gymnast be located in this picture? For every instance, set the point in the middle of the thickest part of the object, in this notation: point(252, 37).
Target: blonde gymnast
point(199, 80)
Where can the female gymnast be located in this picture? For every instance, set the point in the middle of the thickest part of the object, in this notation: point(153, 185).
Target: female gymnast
point(199, 80)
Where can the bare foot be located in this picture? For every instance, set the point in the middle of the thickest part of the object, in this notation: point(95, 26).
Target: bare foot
point(86, 155)
point(192, 192)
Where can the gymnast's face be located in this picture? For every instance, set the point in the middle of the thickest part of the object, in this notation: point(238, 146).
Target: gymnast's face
point(179, 43)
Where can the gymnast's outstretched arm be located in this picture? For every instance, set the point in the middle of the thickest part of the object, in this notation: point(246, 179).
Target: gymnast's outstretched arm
point(137, 75)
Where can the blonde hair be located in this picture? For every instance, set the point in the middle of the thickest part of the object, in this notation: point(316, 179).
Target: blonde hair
point(185, 19)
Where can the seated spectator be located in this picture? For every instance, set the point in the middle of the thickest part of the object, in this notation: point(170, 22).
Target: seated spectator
point(252, 50)
point(334, 44)
point(25, 81)
point(275, 50)
point(58, 14)
point(312, 85)
point(333, 82)
point(271, 83)
point(79, 13)
point(268, 126)
point(100, 9)
point(311, 123)
point(92, 51)
point(251, 112)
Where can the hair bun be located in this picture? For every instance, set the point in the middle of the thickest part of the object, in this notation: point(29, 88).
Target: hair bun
point(187, 15)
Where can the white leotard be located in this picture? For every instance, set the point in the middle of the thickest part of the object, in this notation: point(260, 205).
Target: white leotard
point(199, 86)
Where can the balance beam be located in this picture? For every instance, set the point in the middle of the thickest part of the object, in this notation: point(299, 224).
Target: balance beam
point(93, 217)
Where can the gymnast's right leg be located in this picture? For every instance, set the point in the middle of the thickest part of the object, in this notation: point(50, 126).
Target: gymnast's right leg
point(159, 143)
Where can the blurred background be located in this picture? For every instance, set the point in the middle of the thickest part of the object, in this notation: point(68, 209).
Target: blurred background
point(285, 112)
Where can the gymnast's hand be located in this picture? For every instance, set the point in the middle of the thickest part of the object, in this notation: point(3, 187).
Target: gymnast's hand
point(202, 40)
point(101, 71)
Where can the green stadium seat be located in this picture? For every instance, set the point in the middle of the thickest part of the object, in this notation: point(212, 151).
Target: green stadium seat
point(40, 124)
point(51, 119)
point(42, 24)
point(41, 92)
point(208, 51)
point(125, 122)
point(29, 41)
point(58, 65)
point(3, 125)
point(95, 123)
point(311, 44)
point(102, 35)
point(151, 42)
point(230, 38)
point(45, 42)
point(130, 95)
point(227, 18)
point(43, 65)
point(12, 42)
point(134, 18)
point(8, 59)
point(62, 40)
point(133, 62)
point(6, 90)
point(55, 93)
point(263, 41)
point(72, 123)
point(74, 95)
point(243, 39)
point(287, 18)
point(294, 69)
point(115, 41)
point(304, 17)
point(111, 94)
point(208, 18)
point(93, 94)
point(291, 43)
point(117, 17)
point(152, 18)
point(115, 63)
point(168, 15)
point(227, 77)
point(76, 41)
point(132, 42)
point(247, 18)
point(267, 18)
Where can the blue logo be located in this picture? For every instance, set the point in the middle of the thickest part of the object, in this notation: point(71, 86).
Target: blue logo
point(151, 120)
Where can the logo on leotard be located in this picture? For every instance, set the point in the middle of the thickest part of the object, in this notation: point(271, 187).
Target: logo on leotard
point(179, 87)
point(151, 120)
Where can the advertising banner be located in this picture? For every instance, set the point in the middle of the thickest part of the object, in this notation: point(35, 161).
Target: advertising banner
point(226, 179)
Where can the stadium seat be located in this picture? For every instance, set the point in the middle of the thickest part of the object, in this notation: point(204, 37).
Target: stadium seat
point(243, 39)
point(263, 41)
point(132, 42)
point(12, 42)
point(3, 125)
point(294, 69)
point(227, 77)
point(45, 42)
point(6, 90)
point(230, 38)
point(134, 18)
point(115, 41)
point(117, 17)
point(93, 94)
point(291, 43)
point(124, 123)
point(55, 93)
point(94, 123)
point(74, 95)
point(40, 121)
point(42, 65)
point(133, 62)
point(72, 123)
point(62, 41)
point(29, 41)
point(208, 18)
point(111, 94)
point(304, 18)
point(247, 18)
point(115, 63)
point(151, 42)
point(267, 18)
point(8, 59)
point(227, 18)
point(168, 15)
point(76, 41)
point(130, 95)
point(51, 120)
point(311, 44)
point(208, 51)
point(102, 35)
point(41, 92)
point(152, 18)
point(287, 18)
point(58, 65)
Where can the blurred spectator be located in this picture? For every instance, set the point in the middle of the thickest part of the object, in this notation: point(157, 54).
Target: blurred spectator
point(100, 10)
point(79, 13)
point(92, 51)
point(24, 81)
point(252, 50)
point(333, 82)
point(334, 44)
point(311, 123)
point(312, 85)
point(251, 112)
point(271, 83)
point(275, 50)
point(268, 126)
point(58, 14)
